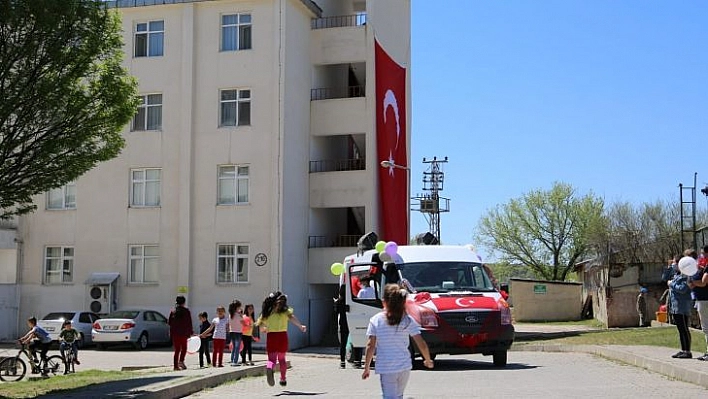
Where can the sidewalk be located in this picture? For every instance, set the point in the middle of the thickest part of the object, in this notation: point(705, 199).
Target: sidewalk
point(171, 384)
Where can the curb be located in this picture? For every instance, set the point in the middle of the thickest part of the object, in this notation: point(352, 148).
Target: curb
point(665, 368)
point(189, 385)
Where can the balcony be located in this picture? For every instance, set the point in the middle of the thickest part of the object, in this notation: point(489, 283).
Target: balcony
point(339, 21)
point(338, 116)
point(337, 241)
point(338, 39)
point(340, 189)
point(8, 224)
point(329, 93)
point(337, 165)
point(320, 260)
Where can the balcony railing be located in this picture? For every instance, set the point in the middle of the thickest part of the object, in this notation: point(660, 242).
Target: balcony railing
point(330, 242)
point(337, 165)
point(339, 21)
point(328, 93)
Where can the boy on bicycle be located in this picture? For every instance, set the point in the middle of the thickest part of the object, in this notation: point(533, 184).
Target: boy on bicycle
point(68, 337)
point(36, 337)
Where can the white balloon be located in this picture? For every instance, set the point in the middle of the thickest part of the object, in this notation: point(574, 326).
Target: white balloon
point(688, 266)
point(193, 344)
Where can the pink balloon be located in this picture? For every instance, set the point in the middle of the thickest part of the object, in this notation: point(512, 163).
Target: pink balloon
point(391, 248)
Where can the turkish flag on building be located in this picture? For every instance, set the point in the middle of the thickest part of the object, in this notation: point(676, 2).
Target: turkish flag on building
point(391, 145)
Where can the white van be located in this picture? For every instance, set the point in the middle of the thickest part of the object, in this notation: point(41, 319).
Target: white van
point(452, 298)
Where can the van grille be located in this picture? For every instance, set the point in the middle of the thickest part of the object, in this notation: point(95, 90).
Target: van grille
point(471, 322)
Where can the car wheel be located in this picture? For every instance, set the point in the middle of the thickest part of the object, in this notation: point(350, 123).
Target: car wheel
point(142, 342)
point(100, 347)
point(499, 358)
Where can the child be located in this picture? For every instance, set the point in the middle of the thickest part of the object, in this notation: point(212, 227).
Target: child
point(642, 307)
point(235, 328)
point(36, 337)
point(219, 329)
point(180, 321)
point(204, 347)
point(389, 333)
point(274, 321)
point(247, 335)
point(68, 337)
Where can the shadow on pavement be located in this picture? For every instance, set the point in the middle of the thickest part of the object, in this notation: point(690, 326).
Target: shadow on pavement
point(464, 364)
point(298, 393)
point(541, 336)
point(113, 389)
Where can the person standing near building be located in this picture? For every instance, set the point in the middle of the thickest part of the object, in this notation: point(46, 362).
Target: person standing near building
point(680, 310)
point(389, 334)
point(218, 330)
point(247, 334)
point(204, 347)
point(642, 307)
point(181, 329)
point(699, 285)
point(235, 330)
point(340, 309)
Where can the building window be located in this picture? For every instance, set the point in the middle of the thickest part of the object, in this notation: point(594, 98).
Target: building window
point(58, 265)
point(235, 32)
point(63, 197)
point(232, 263)
point(233, 185)
point(144, 263)
point(235, 108)
point(145, 187)
point(149, 39)
point(149, 115)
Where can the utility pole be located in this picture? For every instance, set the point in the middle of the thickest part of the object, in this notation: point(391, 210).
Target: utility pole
point(430, 203)
point(687, 196)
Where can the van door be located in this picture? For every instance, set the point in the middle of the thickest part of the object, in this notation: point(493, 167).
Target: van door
point(362, 309)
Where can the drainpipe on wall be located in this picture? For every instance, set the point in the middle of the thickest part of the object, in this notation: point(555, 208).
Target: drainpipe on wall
point(18, 279)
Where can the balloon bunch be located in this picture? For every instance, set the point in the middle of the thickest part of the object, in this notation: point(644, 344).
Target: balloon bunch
point(387, 250)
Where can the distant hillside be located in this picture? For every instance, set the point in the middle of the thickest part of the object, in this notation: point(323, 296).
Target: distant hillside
point(504, 271)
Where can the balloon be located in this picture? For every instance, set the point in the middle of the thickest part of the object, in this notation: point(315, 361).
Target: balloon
point(380, 246)
point(688, 266)
point(337, 268)
point(385, 257)
point(193, 344)
point(391, 248)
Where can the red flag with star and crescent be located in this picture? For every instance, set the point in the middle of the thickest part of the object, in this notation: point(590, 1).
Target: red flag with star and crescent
point(391, 144)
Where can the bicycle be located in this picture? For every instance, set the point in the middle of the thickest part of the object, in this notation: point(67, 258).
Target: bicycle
point(69, 359)
point(14, 368)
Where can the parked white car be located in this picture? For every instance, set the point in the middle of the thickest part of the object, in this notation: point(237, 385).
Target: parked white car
point(139, 327)
point(82, 321)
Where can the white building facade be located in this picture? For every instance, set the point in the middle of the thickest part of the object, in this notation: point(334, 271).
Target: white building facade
point(250, 167)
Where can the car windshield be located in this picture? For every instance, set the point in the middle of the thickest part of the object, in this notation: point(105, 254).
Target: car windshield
point(442, 277)
point(123, 314)
point(59, 316)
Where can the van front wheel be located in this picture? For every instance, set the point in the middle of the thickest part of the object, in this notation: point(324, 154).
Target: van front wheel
point(499, 358)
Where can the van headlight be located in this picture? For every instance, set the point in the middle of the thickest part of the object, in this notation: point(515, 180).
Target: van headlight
point(428, 318)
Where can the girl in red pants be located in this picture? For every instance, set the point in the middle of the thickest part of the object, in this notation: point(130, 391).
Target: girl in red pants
point(219, 329)
point(180, 322)
point(274, 321)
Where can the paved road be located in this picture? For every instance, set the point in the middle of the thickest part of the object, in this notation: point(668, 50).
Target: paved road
point(528, 375)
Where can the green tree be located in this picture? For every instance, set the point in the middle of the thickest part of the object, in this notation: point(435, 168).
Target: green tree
point(547, 231)
point(64, 96)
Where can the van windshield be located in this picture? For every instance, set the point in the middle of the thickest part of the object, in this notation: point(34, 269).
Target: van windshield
point(441, 277)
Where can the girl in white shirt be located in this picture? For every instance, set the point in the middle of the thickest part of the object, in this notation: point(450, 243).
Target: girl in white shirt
point(388, 334)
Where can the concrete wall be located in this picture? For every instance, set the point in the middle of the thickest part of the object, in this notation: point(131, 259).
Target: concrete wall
point(546, 300)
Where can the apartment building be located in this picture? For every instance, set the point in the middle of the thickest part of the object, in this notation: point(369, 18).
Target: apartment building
point(250, 166)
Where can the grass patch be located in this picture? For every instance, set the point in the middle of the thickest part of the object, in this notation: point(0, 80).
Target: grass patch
point(655, 336)
point(54, 384)
point(588, 322)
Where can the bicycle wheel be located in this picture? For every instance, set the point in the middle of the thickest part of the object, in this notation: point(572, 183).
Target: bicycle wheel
point(12, 369)
point(52, 364)
point(69, 363)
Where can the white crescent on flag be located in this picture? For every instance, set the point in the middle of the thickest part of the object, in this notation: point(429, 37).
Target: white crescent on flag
point(390, 101)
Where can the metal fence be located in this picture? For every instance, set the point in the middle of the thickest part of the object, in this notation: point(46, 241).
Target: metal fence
point(328, 93)
point(337, 165)
point(339, 21)
point(143, 3)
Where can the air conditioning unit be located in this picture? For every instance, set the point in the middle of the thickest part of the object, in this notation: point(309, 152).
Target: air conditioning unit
point(99, 299)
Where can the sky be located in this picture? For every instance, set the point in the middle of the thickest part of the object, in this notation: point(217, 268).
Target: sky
point(608, 96)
